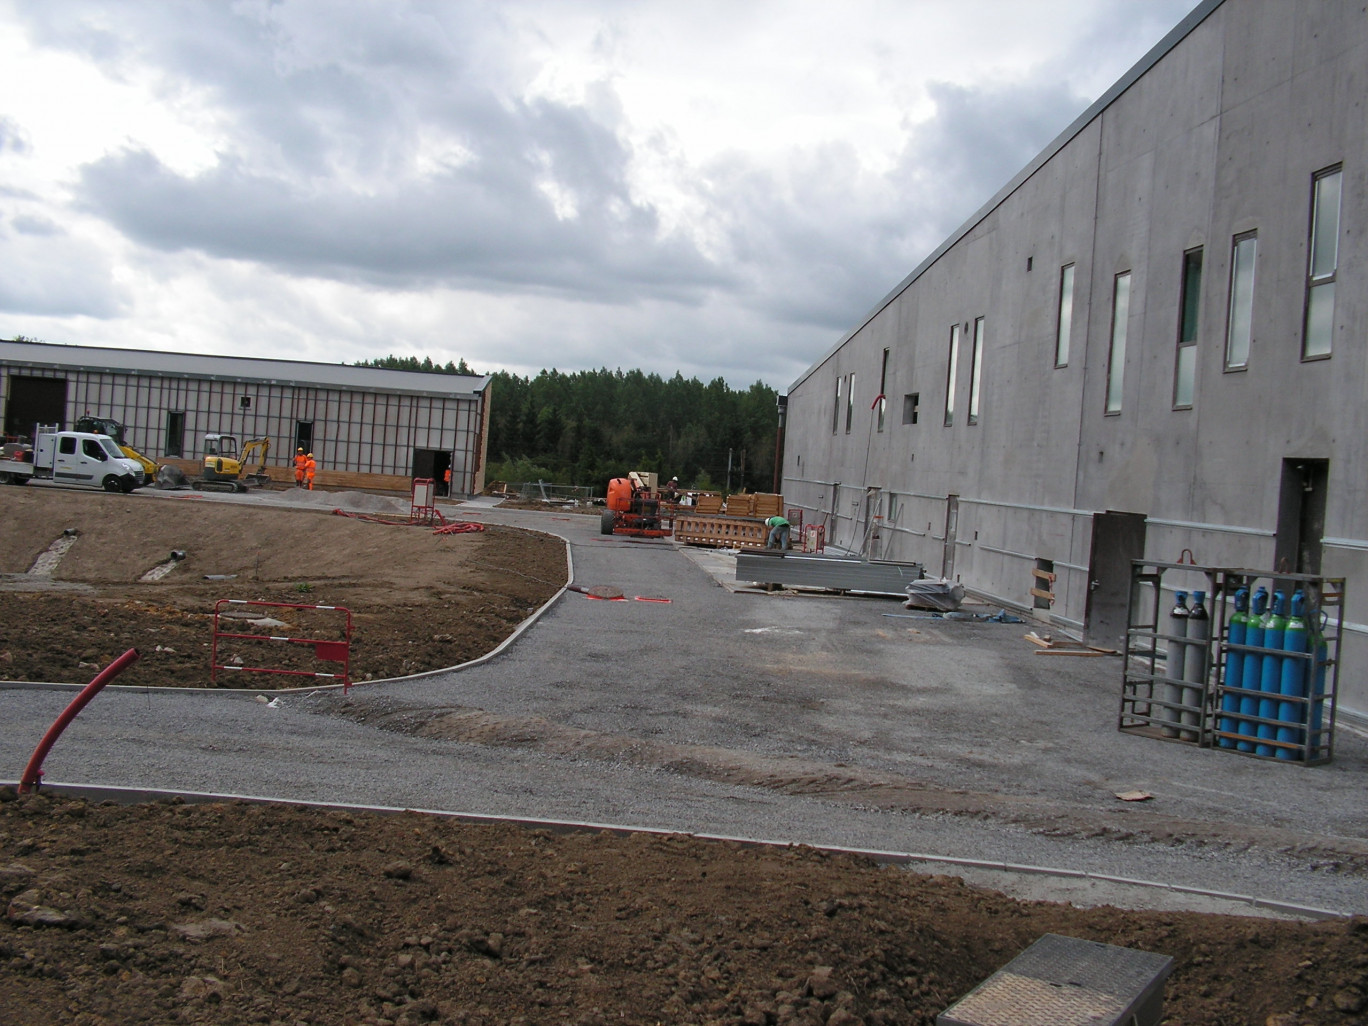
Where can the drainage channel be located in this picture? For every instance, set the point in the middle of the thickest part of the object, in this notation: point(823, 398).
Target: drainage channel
point(1007, 877)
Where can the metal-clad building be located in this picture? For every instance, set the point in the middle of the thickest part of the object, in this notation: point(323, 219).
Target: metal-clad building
point(1153, 341)
point(355, 419)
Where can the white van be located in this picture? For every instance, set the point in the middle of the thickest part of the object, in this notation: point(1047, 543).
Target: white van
point(82, 458)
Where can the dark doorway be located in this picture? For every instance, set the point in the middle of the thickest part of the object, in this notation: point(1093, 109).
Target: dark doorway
point(304, 435)
point(1301, 516)
point(175, 433)
point(34, 401)
point(1117, 540)
point(434, 463)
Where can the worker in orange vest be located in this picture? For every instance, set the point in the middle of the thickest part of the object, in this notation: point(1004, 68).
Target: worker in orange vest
point(447, 478)
point(300, 461)
point(309, 467)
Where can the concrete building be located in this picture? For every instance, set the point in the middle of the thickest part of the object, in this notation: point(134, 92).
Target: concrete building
point(1152, 342)
point(378, 427)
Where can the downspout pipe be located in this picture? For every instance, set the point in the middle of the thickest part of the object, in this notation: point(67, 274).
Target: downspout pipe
point(33, 773)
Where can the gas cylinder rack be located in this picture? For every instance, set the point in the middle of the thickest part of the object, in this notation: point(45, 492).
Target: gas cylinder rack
point(1250, 666)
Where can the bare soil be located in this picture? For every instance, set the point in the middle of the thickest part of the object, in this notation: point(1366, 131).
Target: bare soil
point(238, 913)
point(417, 600)
point(251, 913)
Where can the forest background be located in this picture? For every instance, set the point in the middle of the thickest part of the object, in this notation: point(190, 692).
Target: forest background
point(585, 427)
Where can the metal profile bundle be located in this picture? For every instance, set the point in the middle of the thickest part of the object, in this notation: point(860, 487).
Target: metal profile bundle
point(720, 532)
point(828, 573)
point(1259, 674)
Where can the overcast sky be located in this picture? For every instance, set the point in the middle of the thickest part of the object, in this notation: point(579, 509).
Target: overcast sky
point(716, 188)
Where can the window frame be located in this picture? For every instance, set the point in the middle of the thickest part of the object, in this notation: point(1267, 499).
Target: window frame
point(1064, 315)
point(951, 374)
point(911, 407)
point(1189, 326)
point(976, 372)
point(883, 392)
point(1245, 311)
point(836, 406)
point(1323, 282)
point(1116, 351)
point(850, 401)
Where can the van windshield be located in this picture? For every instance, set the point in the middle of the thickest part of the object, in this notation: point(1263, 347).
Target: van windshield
point(113, 450)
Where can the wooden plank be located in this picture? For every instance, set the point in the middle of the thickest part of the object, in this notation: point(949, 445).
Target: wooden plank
point(1068, 652)
point(1038, 593)
point(1036, 639)
point(1044, 575)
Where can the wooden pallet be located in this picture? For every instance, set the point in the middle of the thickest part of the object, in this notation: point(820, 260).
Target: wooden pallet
point(1047, 644)
point(720, 532)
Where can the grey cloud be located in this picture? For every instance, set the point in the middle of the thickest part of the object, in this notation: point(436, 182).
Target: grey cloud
point(12, 137)
point(27, 224)
point(318, 97)
point(50, 273)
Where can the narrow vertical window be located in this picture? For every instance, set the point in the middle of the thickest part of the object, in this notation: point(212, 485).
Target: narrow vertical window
point(1065, 323)
point(850, 401)
point(1116, 360)
point(836, 407)
point(1240, 317)
point(976, 371)
point(1324, 262)
point(950, 375)
point(1189, 307)
point(882, 401)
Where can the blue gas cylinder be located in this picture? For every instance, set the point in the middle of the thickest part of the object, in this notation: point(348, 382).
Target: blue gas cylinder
point(1236, 631)
point(1270, 670)
point(1297, 639)
point(1249, 677)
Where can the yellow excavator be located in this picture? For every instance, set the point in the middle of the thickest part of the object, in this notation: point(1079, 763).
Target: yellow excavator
point(115, 430)
point(227, 470)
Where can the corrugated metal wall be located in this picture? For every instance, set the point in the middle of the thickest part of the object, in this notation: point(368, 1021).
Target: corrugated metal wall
point(363, 432)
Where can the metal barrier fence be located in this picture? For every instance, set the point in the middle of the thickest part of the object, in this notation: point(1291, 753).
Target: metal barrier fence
point(545, 491)
point(329, 650)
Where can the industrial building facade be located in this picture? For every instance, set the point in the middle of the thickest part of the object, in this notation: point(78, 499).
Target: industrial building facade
point(1151, 344)
point(388, 425)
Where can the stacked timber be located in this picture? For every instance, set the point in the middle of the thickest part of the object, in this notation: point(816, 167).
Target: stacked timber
point(708, 504)
point(738, 525)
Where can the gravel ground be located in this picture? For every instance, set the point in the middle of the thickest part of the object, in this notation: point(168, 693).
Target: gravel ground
point(813, 719)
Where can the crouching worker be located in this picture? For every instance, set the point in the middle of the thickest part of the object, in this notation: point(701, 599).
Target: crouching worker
point(779, 533)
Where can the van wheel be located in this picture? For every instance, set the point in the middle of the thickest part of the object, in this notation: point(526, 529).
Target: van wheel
point(606, 522)
point(111, 484)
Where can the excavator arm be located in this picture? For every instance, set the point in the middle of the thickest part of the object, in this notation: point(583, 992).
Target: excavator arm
point(260, 447)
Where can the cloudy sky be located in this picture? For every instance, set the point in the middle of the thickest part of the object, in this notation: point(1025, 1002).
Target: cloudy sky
point(716, 187)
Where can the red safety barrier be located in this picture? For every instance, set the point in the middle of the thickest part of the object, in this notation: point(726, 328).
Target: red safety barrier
point(423, 505)
point(33, 772)
point(330, 650)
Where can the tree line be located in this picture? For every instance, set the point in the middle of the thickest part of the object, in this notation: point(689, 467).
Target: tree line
point(585, 427)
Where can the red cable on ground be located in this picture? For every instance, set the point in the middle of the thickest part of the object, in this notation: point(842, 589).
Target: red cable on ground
point(33, 772)
point(459, 527)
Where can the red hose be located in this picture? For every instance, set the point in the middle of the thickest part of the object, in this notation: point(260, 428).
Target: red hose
point(33, 772)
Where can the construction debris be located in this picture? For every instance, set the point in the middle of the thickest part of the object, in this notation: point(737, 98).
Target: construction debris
point(1049, 645)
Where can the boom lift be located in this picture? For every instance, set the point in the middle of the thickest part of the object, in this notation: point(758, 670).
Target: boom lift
point(635, 509)
point(224, 470)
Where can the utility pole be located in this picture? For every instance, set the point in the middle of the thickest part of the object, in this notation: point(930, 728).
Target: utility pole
point(729, 461)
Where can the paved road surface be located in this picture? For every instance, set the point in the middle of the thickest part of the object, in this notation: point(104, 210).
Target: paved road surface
point(814, 719)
